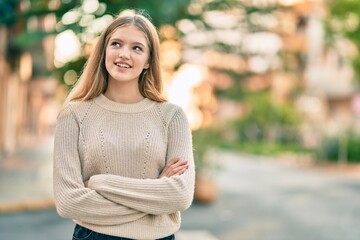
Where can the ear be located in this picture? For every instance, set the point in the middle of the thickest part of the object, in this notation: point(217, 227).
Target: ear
point(147, 66)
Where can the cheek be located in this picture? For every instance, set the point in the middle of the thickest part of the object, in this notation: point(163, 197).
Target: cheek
point(108, 55)
point(144, 61)
point(108, 59)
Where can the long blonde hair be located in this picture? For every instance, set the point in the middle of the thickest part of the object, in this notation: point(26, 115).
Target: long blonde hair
point(94, 78)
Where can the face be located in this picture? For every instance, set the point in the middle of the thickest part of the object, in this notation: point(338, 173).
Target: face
point(127, 54)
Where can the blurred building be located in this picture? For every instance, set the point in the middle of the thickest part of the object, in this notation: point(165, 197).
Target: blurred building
point(280, 50)
point(26, 93)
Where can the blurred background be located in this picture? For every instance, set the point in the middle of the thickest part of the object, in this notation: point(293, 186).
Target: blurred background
point(270, 87)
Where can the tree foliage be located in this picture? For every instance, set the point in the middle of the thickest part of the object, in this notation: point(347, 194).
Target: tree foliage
point(15, 16)
point(344, 19)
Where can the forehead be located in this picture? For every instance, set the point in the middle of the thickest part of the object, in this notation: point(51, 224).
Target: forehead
point(129, 33)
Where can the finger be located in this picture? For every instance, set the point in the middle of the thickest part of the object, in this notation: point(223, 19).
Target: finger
point(170, 169)
point(177, 173)
point(170, 165)
point(172, 162)
point(166, 169)
point(182, 171)
point(178, 170)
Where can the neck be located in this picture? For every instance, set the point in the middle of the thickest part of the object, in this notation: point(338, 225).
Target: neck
point(123, 93)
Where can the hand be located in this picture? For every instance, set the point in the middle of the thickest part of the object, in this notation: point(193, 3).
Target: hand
point(174, 167)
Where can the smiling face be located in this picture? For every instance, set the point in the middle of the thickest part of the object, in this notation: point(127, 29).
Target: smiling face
point(127, 54)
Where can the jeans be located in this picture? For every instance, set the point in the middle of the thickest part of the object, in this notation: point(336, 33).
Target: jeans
point(82, 233)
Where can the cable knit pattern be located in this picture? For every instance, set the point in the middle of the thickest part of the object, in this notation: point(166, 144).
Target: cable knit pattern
point(121, 149)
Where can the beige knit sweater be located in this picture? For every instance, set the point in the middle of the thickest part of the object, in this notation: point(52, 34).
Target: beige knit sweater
point(121, 149)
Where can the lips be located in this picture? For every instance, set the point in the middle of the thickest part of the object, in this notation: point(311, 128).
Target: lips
point(123, 65)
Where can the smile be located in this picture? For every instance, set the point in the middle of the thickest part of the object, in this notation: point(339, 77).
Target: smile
point(123, 65)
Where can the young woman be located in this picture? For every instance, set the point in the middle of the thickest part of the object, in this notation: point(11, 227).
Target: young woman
point(123, 161)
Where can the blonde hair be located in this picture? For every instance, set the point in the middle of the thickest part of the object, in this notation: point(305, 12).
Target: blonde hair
point(93, 80)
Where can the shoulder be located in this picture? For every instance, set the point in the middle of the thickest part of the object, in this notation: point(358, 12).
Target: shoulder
point(169, 111)
point(77, 109)
point(168, 107)
point(80, 106)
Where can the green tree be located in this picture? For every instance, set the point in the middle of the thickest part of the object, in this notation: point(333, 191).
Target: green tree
point(343, 21)
point(16, 15)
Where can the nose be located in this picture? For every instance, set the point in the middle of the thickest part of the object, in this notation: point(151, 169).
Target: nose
point(124, 52)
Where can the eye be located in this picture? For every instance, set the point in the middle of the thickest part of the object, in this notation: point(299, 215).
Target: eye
point(115, 44)
point(137, 48)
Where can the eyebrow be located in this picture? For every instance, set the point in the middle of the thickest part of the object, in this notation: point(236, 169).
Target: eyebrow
point(135, 43)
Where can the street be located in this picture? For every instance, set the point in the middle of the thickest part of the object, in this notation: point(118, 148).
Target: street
point(259, 199)
point(263, 199)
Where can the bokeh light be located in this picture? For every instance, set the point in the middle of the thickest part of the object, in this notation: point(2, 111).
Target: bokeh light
point(67, 48)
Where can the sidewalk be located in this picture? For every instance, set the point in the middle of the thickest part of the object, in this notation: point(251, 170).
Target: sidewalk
point(26, 178)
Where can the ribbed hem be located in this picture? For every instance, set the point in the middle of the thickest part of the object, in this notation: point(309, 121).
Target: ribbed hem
point(133, 231)
point(110, 105)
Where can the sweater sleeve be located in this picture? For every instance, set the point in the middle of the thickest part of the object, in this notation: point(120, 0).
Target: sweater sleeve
point(72, 199)
point(156, 196)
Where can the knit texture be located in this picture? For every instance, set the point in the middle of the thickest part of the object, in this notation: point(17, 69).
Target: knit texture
point(121, 149)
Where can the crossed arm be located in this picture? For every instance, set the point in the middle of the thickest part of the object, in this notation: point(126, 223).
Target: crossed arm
point(174, 168)
point(170, 193)
point(95, 202)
